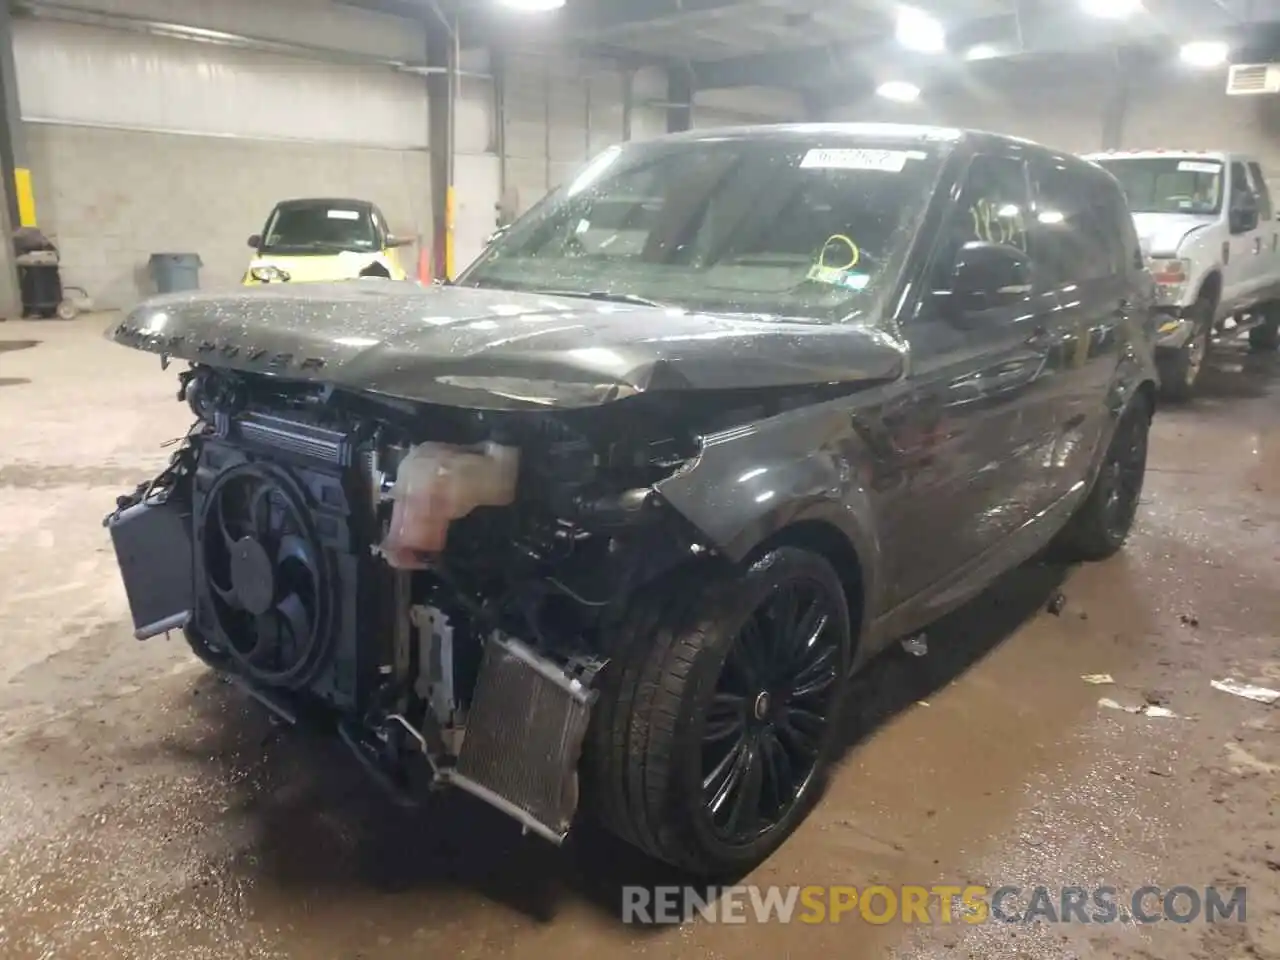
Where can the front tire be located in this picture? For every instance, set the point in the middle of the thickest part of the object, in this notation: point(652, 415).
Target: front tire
point(1102, 524)
point(1180, 369)
point(719, 712)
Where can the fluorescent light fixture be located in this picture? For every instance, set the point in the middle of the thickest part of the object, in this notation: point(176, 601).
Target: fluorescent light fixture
point(981, 51)
point(533, 6)
point(1204, 53)
point(916, 30)
point(899, 90)
point(1111, 9)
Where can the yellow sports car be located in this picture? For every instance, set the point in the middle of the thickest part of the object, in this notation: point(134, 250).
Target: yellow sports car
point(324, 239)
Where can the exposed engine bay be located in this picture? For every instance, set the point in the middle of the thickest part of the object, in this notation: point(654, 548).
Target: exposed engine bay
point(438, 583)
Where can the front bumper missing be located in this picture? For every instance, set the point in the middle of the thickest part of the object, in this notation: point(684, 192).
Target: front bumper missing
point(528, 716)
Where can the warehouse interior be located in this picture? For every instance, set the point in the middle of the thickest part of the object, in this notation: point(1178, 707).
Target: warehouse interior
point(149, 811)
point(151, 127)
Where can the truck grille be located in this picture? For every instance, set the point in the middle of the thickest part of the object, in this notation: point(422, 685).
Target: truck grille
point(524, 737)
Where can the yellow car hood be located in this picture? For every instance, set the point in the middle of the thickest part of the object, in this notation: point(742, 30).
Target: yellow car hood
point(315, 268)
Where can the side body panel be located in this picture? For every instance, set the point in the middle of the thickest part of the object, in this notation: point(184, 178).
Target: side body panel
point(938, 481)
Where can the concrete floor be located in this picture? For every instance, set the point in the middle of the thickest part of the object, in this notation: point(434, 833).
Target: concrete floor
point(148, 811)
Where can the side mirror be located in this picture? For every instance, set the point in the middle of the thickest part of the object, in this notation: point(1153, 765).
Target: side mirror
point(395, 240)
point(1244, 213)
point(256, 242)
point(988, 276)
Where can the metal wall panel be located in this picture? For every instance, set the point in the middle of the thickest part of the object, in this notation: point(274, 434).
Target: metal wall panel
point(94, 76)
point(320, 23)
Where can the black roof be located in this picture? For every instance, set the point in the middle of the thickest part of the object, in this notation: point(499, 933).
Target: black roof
point(905, 134)
point(327, 201)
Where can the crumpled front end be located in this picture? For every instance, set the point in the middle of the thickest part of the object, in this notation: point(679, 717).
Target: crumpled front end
point(436, 584)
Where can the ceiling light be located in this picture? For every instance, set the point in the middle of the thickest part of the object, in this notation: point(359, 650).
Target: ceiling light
point(917, 30)
point(532, 5)
point(1204, 53)
point(899, 90)
point(1111, 9)
point(981, 51)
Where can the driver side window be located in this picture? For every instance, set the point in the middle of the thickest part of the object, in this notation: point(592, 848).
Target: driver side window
point(992, 208)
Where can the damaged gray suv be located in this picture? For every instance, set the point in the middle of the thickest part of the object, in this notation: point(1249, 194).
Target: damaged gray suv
point(606, 524)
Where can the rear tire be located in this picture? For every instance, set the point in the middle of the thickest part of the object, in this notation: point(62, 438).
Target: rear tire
point(1265, 338)
point(1100, 527)
point(716, 723)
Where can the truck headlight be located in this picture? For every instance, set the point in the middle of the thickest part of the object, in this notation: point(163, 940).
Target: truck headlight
point(1169, 271)
point(269, 274)
point(1171, 275)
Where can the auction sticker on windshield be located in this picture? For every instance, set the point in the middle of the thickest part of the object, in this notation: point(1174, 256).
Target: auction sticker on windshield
point(1198, 166)
point(344, 214)
point(890, 161)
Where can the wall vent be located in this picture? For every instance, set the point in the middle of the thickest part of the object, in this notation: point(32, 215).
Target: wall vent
point(1251, 79)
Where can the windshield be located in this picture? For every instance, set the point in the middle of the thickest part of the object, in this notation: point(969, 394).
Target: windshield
point(319, 226)
point(762, 225)
point(1169, 184)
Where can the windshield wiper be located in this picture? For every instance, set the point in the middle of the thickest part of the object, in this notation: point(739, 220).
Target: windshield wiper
point(607, 296)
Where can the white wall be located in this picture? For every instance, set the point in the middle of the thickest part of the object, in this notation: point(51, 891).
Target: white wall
point(745, 105)
point(74, 74)
point(141, 143)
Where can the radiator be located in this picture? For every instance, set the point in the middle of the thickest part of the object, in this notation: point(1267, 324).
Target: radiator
point(524, 736)
point(303, 439)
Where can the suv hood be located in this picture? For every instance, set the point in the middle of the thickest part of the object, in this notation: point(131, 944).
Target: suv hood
point(494, 349)
point(1160, 234)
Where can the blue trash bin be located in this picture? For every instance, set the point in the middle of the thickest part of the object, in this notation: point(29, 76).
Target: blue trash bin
point(172, 272)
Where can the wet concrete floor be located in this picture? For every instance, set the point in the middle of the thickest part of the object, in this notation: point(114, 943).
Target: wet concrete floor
point(148, 811)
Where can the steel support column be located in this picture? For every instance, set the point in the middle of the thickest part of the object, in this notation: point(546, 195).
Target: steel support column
point(679, 98)
point(13, 145)
point(442, 98)
point(19, 208)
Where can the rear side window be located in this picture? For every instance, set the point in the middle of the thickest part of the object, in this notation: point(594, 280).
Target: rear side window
point(1261, 191)
point(1078, 230)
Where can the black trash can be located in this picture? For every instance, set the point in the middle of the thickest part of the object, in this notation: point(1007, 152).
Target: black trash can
point(40, 283)
point(174, 272)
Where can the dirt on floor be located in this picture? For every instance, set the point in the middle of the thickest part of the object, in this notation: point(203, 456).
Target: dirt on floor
point(148, 810)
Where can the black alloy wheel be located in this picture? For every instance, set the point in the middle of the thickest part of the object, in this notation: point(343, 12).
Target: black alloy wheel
point(764, 729)
point(719, 710)
point(1101, 525)
point(1122, 476)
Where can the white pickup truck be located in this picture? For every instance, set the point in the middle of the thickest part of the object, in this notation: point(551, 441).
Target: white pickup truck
point(1210, 237)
